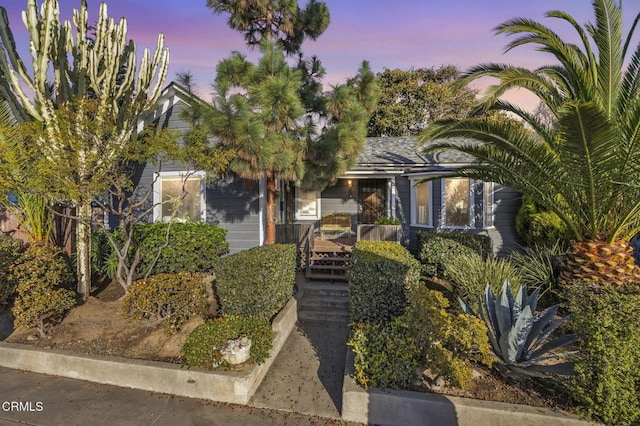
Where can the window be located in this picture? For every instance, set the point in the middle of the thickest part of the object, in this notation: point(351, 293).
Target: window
point(456, 199)
point(422, 204)
point(307, 205)
point(487, 202)
point(179, 196)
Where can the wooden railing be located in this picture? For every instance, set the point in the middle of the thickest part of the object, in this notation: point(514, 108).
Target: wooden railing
point(379, 233)
point(300, 235)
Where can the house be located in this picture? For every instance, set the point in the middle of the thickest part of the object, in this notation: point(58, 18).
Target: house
point(386, 181)
point(389, 180)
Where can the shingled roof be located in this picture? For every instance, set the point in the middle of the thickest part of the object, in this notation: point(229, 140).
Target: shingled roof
point(404, 152)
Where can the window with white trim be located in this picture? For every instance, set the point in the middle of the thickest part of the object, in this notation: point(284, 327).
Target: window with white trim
point(422, 202)
point(307, 205)
point(457, 202)
point(488, 205)
point(179, 196)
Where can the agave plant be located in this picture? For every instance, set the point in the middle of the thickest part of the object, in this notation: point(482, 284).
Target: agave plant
point(519, 337)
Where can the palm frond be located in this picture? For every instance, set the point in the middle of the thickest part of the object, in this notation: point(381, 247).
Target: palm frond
point(511, 77)
point(607, 35)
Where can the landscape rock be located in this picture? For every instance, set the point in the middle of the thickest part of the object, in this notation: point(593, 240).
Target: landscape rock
point(236, 351)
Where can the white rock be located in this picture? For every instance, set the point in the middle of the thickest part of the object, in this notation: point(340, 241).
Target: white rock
point(236, 351)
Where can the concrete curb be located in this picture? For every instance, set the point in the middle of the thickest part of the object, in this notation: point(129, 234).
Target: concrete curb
point(223, 386)
point(397, 407)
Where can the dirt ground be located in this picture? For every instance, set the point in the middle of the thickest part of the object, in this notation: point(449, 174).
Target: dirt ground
point(97, 327)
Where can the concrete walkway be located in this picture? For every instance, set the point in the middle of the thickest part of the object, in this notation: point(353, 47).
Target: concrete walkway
point(307, 375)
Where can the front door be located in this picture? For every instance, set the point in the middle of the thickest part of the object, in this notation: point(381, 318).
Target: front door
point(372, 196)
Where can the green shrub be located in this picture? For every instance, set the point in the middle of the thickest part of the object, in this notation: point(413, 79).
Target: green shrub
point(539, 268)
point(385, 355)
point(102, 259)
point(167, 299)
point(9, 251)
point(449, 343)
point(190, 247)
point(379, 275)
point(42, 275)
point(387, 220)
point(470, 274)
point(436, 248)
point(538, 227)
point(256, 282)
point(607, 323)
point(203, 345)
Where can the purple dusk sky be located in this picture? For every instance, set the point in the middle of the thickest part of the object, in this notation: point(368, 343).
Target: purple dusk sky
point(389, 34)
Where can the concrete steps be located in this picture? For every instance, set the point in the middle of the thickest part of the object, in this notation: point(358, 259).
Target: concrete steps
point(325, 301)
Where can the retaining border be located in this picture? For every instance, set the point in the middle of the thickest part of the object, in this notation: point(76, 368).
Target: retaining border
point(223, 386)
point(398, 407)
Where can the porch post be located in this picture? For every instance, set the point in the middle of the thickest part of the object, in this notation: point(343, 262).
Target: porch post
point(392, 197)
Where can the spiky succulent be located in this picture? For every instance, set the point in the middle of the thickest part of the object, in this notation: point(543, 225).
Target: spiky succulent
point(519, 337)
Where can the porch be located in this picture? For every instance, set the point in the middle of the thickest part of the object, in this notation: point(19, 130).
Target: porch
point(328, 258)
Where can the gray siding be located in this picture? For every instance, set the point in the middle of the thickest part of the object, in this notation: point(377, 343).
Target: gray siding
point(504, 236)
point(232, 203)
point(503, 233)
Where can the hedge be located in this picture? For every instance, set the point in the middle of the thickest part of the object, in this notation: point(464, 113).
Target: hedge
point(606, 321)
point(379, 274)
point(256, 282)
point(191, 247)
point(385, 355)
point(435, 248)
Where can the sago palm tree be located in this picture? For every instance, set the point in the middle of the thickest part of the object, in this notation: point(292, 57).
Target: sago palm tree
point(585, 164)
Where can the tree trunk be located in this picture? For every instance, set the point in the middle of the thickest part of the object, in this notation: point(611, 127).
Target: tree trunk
point(272, 189)
point(83, 248)
point(290, 203)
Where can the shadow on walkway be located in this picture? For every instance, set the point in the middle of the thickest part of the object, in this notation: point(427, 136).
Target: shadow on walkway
point(329, 340)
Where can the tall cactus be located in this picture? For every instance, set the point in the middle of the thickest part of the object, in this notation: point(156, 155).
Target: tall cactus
point(69, 66)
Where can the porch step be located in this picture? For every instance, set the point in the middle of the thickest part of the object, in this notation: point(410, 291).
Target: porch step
point(328, 265)
point(321, 266)
point(322, 314)
point(322, 289)
point(319, 276)
point(324, 301)
point(345, 258)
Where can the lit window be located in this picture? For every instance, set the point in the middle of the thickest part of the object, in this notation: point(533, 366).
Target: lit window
point(422, 208)
point(179, 196)
point(307, 205)
point(456, 200)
